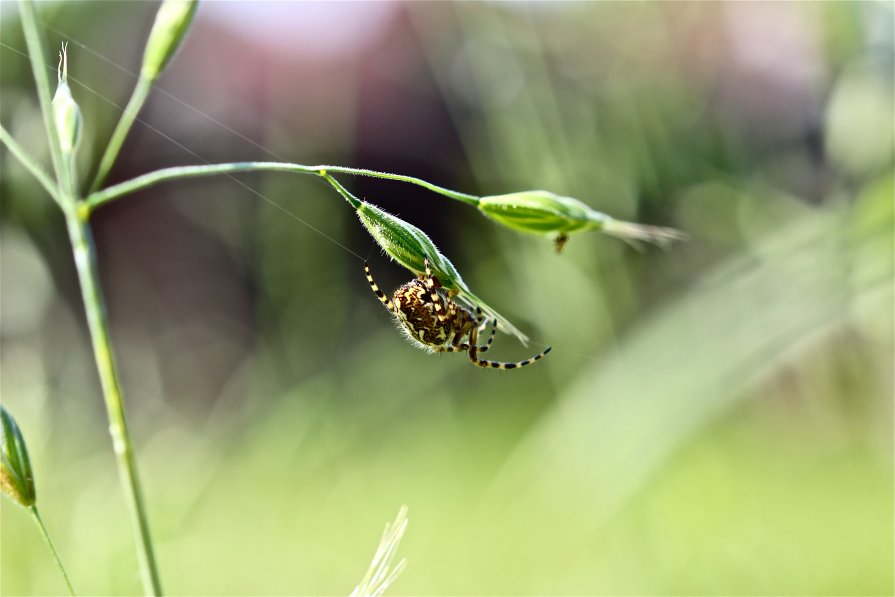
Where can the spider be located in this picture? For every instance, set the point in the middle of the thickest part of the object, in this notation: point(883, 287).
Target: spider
point(433, 321)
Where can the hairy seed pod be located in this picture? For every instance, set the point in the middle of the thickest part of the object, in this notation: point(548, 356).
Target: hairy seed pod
point(171, 24)
point(16, 478)
point(408, 245)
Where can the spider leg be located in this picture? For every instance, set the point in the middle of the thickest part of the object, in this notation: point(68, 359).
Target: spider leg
point(465, 347)
point(487, 344)
point(381, 295)
point(431, 279)
point(431, 283)
point(473, 349)
point(502, 365)
point(453, 348)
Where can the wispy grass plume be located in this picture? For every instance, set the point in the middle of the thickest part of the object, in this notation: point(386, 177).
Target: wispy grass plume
point(381, 574)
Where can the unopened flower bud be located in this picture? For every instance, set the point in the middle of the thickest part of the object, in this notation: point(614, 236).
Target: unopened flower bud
point(171, 24)
point(540, 212)
point(543, 212)
point(408, 245)
point(66, 112)
point(16, 478)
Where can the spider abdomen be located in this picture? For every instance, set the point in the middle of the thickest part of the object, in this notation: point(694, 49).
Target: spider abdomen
point(422, 313)
point(437, 323)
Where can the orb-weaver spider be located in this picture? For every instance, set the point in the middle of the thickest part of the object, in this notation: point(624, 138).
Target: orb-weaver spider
point(435, 322)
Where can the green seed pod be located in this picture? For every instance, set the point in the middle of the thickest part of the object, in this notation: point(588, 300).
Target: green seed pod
point(66, 112)
point(543, 212)
point(410, 246)
point(16, 478)
point(171, 24)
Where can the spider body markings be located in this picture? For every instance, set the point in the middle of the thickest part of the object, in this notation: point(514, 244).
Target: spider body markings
point(432, 320)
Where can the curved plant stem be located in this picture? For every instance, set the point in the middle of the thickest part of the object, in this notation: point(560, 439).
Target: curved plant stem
point(43, 531)
point(351, 199)
point(85, 262)
point(464, 197)
point(117, 191)
point(30, 164)
point(134, 104)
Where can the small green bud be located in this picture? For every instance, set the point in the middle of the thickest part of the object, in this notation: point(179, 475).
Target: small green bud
point(410, 247)
point(66, 112)
point(543, 212)
point(171, 24)
point(16, 478)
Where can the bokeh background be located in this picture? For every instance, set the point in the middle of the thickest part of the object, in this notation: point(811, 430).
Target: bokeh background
point(714, 419)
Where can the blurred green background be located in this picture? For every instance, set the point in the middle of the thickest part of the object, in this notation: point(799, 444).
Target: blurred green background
point(714, 419)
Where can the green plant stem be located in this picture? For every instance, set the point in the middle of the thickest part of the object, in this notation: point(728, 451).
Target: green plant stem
point(351, 199)
point(35, 53)
point(30, 164)
point(134, 104)
point(464, 197)
point(117, 191)
point(46, 535)
point(94, 304)
point(76, 217)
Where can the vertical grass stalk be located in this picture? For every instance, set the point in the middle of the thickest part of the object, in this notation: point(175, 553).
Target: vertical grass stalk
point(85, 262)
point(76, 217)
